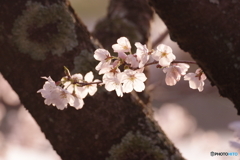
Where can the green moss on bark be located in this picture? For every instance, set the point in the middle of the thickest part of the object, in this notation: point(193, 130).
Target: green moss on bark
point(44, 29)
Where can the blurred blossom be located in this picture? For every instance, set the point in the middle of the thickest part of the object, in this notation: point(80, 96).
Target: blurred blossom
point(9, 97)
point(175, 121)
point(194, 143)
point(235, 126)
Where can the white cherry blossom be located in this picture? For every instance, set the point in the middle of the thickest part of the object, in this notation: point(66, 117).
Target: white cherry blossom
point(123, 45)
point(56, 95)
point(174, 72)
point(89, 88)
point(103, 56)
point(133, 79)
point(113, 82)
point(196, 80)
point(163, 55)
point(142, 54)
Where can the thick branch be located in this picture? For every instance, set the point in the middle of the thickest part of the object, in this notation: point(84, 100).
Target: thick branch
point(210, 33)
point(38, 39)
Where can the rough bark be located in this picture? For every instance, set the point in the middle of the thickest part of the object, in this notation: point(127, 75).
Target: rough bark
point(38, 38)
point(209, 31)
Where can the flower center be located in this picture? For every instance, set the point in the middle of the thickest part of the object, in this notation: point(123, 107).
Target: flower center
point(164, 54)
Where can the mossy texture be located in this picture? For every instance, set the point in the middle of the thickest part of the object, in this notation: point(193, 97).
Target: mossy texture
point(44, 29)
point(134, 147)
point(84, 62)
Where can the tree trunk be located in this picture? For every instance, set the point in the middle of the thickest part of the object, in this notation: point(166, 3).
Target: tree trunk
point(209, 31)
point(38, 38)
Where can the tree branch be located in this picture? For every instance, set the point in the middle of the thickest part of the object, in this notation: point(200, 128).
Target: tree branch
point(209, 32)
point(38, 39)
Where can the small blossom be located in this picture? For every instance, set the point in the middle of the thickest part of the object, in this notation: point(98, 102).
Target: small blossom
point(103, 56)
point(164, 55)
point(55, 95)
point(108, 68)
point(142, 54)
point(174, 72)
point(77, 102)
point(133, 80)
point(123, 45)
point(132, 60)
point(90, 89)
point(113, 82)
point(196, 80)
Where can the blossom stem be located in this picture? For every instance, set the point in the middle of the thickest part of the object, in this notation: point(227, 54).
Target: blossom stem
point(176, 61)
point(84, 84)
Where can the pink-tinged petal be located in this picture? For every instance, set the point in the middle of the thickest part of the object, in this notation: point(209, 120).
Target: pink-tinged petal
point(123, 45)
point(77, 103)
point(101, 54)
point(122, 55)
point(124, 41)
point(203, 76)
point(172, 76)
point(183, 68)
point(170, 81)
point(164, 62)
point(131, 59)
point(78, 76)
point(164, 48)
point(194, 83)
point(156, 55)
point(189, 76)
point(98, 67)
point(200, 87)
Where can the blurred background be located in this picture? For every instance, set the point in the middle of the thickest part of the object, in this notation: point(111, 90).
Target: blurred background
point(196, 122)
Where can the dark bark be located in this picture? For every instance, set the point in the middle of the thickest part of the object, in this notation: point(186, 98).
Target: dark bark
point(38, 38)
point(210, 33)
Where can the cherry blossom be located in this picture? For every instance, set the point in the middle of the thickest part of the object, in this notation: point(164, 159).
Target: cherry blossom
point(164, 55)
point(142, 54)
point(72, 89)
point(103, 56)
point(133, 79)
point(58, 96)
point(123, 45)
point(89, 88)
point(196, 80)
point(74, 85)
point(113, 82)
point(174, 72)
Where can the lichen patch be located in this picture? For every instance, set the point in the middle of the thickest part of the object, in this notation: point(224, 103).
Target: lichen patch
point(44, 29)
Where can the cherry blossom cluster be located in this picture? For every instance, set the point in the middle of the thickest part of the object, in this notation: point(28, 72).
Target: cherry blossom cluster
point(123, 73)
